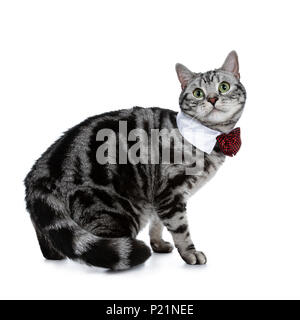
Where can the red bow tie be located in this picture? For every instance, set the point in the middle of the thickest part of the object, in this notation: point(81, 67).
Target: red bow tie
point(230, 143)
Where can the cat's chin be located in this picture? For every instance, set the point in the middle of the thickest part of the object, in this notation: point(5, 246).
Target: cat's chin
point(221, 125)
point(224, 127)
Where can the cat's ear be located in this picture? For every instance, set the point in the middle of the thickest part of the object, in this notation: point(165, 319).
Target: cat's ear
point(231, 64)
point(184, 74)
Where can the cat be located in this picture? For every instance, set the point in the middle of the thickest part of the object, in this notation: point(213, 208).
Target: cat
point(92, 212)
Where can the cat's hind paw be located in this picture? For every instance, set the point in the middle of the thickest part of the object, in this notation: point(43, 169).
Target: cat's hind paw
point(161, 246)
point(196, 257)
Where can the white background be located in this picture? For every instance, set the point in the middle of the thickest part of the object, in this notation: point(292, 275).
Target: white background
point(62, 61)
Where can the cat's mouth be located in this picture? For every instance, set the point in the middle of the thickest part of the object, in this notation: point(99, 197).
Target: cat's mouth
point(213, 110)
point(218, 109)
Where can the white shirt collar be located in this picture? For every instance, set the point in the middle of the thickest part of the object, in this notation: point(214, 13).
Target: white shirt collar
point(196, 133)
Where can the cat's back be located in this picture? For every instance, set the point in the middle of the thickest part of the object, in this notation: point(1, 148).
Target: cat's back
point(72, 158)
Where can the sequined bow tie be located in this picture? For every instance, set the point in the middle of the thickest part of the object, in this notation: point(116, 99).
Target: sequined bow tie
point(230, 143)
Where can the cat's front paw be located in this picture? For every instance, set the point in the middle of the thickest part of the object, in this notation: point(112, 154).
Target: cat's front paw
point(161, 246)
point(195, 257)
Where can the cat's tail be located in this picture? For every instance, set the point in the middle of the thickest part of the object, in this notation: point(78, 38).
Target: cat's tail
point(60, 236)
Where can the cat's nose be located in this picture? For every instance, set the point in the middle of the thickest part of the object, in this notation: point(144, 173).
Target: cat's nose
point(212, 100)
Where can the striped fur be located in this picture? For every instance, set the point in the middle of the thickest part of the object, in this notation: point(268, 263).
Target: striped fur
point(90, 212)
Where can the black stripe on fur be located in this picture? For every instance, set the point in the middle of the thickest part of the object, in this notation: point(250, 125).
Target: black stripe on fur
point(101, 254)
point(139, 253)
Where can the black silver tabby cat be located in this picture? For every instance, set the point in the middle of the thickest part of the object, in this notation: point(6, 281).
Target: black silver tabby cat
point(92, 212)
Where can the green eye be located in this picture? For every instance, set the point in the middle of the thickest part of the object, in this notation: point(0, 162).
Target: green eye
point(224, 87)
point(198, 93)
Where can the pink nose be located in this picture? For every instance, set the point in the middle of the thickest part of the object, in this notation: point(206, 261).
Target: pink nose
point(212, 100)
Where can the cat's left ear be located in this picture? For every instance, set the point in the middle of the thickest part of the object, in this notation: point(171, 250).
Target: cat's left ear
point(184, 74)
point(231, 64)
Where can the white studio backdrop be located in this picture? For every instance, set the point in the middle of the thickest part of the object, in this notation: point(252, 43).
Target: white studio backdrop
point(62, 61)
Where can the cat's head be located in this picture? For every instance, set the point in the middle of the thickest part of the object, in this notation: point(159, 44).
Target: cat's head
point(215, 98)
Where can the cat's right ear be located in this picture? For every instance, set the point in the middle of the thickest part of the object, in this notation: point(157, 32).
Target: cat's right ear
point(184, 74)
point(231, 64)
